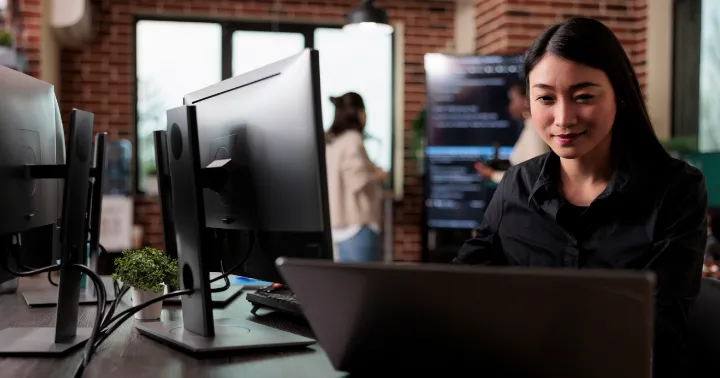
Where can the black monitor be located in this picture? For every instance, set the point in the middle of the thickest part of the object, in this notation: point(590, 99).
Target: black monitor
point(28, 138)
point(218, 298)
point(49, 296)
point(246, 155)
point(30, 133)
point(29, 115)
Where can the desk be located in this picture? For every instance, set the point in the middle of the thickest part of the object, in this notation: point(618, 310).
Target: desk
point(128, 354)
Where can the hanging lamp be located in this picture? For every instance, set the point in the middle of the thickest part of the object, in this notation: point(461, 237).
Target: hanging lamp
point(367, 18)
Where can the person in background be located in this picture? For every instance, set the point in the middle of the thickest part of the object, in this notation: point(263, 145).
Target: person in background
point(354, 184)
point(529, 143)
point(608, 195)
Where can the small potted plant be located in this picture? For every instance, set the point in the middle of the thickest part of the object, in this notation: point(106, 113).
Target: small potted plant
point(6, 46)
point(146, 271)
point(6, 39)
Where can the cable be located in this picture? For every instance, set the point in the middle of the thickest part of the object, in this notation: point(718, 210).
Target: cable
point(101, 300)
point(239, 264)
point(29, 273)
point(120, 318)
point(227, 282)
point(101, 296)
point(111, 310)
point(102, 249)
point(51, 280)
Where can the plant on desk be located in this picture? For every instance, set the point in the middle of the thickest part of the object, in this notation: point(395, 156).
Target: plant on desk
point(146, 271)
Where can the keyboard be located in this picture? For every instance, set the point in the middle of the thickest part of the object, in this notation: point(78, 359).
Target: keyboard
point(277, 298)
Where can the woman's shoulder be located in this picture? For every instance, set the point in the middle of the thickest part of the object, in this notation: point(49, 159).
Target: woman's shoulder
point(347, 140)
point(669, 183)
point(349, 137)
point(683, 177)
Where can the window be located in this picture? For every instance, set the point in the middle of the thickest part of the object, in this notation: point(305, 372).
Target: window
point(709, 123)
point(172, 59)
point(254, 49)
point(167, 68)
point(696, 72)
point(360, 63)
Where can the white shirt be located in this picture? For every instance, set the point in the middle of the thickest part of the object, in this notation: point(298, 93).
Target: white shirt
point(528, 146)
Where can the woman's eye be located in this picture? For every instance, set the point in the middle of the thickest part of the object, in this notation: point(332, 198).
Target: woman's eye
point(583, 98)
point(545, 99)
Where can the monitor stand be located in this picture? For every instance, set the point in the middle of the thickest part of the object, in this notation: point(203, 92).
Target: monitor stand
point(219, 299)
point(65, 336)
point(198, 332)
point(49, 297)
point(229, 335)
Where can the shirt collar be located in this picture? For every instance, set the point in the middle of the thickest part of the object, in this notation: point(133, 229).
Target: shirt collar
point(547, 182)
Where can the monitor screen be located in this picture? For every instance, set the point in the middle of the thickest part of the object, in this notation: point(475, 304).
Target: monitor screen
point(468, 121)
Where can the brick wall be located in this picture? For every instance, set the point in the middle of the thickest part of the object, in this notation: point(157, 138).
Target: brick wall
point(510, 26)
point(99, 78)
point(28, 26)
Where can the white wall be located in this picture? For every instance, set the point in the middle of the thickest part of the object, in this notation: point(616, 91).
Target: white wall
point(49, 50)
point(659, 65)
point(465, 29)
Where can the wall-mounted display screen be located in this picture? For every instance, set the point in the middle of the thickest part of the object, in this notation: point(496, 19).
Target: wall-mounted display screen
point(468, 121)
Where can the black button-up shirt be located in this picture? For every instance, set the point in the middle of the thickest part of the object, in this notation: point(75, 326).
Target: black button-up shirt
point(650, 216)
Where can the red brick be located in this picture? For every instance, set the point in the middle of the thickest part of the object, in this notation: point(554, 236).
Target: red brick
point(98, 77)
point(627, 18)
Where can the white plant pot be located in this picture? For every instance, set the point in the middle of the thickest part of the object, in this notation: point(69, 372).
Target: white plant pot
point(151, 312)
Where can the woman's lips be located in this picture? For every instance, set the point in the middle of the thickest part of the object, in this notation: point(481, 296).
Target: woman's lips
point(568, 138)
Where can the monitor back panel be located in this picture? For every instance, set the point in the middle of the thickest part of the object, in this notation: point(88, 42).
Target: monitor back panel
point(268, 123)
point(29, 116)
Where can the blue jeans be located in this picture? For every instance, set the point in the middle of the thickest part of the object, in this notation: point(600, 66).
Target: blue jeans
point(363, 247)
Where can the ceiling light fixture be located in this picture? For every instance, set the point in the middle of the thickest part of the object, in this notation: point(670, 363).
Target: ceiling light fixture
point(367, 18)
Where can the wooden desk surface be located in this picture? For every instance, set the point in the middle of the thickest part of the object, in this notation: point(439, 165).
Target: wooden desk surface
point(128, 354)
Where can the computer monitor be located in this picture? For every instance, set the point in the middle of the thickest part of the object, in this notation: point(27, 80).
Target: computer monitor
point(269, 127)
point(246, 154)
point(30, 133)
point(49, 296)
point(218, 298)
point(29, 114)
point(28, 138)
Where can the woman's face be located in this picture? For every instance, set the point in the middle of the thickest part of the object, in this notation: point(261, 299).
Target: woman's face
point(572, 106)
point(362, 117)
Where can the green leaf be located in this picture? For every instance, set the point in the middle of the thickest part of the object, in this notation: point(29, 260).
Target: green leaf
point(146, 269)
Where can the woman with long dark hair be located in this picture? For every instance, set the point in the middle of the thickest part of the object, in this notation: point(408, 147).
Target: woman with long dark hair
point(608, 195)
point(354, 184)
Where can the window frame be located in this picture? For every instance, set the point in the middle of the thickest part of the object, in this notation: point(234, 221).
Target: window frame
point(685, 80)
point(228, 27)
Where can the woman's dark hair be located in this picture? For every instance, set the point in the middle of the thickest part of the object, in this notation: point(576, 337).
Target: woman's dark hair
point(590, 42)
point(347, 114)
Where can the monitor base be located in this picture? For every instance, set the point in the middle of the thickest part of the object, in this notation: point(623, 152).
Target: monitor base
point(49, 297)
point(220, 299)
point(231, 335)
point(29, 341)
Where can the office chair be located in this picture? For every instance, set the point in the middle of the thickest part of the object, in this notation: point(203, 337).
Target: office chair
point(704, 329)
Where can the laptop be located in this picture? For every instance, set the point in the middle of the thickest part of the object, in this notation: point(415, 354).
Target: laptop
point(489, 321)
